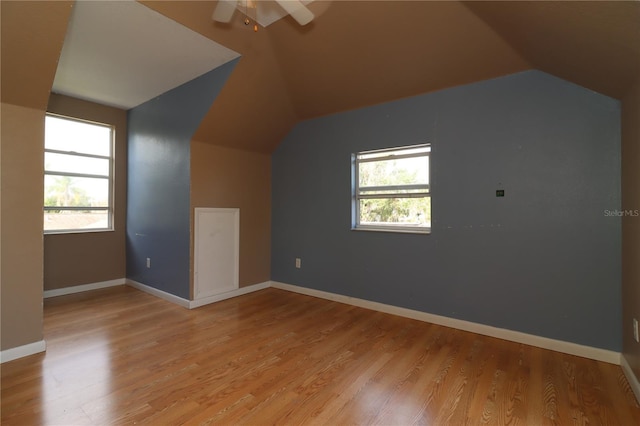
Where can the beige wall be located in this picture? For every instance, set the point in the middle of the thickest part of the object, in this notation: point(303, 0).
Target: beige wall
point(32, 34)
point(229, 178)
point(76, 259)
point(21, 182)
point(631, 224)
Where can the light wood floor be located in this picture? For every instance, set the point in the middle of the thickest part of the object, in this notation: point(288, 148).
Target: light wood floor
point(120, 356)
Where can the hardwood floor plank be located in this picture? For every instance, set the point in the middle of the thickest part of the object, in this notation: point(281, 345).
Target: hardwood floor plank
point(480, 363)
point(405, 405)
point(119, 356)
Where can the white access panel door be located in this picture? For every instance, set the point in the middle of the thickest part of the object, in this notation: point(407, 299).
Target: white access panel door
point(216, 251)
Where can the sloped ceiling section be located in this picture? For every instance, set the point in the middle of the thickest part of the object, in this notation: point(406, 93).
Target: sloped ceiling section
point(355, 53)
point(595, 44)
point(360, 53)
point(32, 36)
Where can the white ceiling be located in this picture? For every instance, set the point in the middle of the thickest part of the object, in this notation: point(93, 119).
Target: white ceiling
point(122, 54)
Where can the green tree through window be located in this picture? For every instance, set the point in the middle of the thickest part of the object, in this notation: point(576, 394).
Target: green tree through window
point(65, 192)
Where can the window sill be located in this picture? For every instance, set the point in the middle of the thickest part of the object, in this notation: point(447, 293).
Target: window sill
point(421, 231)
point(77, 231)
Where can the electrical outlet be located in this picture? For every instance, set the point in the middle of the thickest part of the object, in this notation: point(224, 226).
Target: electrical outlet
point(635, 330)
point(149, 262)
point(298, 263)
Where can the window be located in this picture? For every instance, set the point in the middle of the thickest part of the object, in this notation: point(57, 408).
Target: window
point(391, 190)
point(78, 175)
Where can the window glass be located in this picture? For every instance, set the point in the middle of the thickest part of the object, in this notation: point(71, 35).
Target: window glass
point(54, 162)
point(66, 134)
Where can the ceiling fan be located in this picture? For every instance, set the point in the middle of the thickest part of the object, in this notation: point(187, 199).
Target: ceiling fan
point(265, 12)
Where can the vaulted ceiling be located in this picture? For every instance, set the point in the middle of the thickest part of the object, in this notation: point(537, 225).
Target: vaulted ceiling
point(356, 53)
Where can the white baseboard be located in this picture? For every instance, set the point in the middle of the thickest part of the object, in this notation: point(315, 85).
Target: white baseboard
point(631, 377)
point(487, 330)
point(159, 293)
point(228, 295)
point(83, 287)
point(192, 304)
point(598, 354)
point(22, 351)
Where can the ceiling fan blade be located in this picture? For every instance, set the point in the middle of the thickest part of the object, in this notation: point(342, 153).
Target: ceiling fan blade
point(224, 10)
point(297, 10)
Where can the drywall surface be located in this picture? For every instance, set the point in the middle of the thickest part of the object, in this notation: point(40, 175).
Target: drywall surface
point(544, 259)
point(158, 200)
point(22, 192)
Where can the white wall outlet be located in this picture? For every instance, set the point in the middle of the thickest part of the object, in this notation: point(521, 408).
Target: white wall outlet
point(298, 263)
point(635, 330)
point(148, 262)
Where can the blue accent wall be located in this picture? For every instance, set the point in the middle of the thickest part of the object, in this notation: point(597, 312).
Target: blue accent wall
point(158, 203)
point(544, 260)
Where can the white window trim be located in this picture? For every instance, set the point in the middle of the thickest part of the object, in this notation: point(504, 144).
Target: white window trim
point(356, 195)
point(110, 209)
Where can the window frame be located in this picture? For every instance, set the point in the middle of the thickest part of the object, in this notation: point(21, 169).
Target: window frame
point(109, 209)
point(357, 192)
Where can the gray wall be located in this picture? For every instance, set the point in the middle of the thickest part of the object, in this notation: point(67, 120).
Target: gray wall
point(545, 259)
